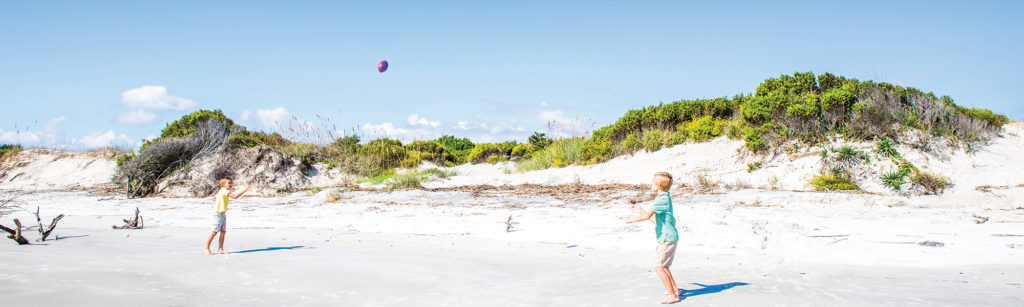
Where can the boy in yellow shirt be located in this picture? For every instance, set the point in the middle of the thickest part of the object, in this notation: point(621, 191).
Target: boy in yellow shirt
point(219, 218)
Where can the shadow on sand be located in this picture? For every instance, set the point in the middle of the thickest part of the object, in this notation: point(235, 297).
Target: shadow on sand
point(274, 248)
point(709, 289)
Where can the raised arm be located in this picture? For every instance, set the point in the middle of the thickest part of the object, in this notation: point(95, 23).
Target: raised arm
point(239, 193)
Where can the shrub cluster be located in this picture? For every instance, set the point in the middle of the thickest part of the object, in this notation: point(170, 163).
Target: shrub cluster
point(142, 171)
point(7, 149)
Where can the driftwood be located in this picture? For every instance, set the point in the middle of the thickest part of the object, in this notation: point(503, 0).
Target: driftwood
point(133, 223)
point(43, 234)
point(508, 224)
point(15, 234)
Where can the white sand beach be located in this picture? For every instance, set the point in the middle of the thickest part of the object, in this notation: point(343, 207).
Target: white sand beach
point(752, 244)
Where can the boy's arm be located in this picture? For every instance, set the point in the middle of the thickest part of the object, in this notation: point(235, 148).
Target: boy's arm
point(646, 215)
point(239, 194)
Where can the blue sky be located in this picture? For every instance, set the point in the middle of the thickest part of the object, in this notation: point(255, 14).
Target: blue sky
point(81, 75)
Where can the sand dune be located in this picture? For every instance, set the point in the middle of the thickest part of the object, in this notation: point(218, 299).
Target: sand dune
point(741, 245)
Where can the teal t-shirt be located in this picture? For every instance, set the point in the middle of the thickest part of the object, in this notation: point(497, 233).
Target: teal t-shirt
point(664, 221)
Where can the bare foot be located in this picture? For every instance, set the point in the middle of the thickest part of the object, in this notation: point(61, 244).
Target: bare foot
point(680, 293)
point(671, 300)
point(208, 252)
point(221, 251)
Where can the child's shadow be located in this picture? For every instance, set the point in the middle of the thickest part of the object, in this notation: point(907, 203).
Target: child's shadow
point(268, 249)
point(708, 289)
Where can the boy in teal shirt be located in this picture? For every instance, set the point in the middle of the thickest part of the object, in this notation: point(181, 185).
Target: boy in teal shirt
point(665, 231)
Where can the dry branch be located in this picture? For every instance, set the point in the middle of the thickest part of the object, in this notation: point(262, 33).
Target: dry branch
point(15, 234)
point(135, 223)
point(43, 234)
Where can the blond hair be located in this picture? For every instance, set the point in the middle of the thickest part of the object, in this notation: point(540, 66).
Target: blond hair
point(663, 180)
point(224, 181)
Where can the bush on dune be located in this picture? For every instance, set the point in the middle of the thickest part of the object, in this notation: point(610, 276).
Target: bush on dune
point(930, 183)
point(165, 155)
point(8, 149)
point(833, 182)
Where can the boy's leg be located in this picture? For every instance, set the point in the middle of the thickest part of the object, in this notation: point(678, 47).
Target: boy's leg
point(663, 260)
point(220, 250)
point(210, 240)
point(670, 285)
point(672, 279)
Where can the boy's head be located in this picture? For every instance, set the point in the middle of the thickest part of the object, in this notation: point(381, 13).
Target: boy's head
point(225, 183)
point(663, 181)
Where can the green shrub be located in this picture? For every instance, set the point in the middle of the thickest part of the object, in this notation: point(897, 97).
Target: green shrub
point(754, 140)
point(481, 152)
point(560, 153)
point(677, 137)
point(932, 184)
point(412, 160)
point(248, 139)
point(10, 149)
point(121, 159)
point(631, 143)
point(568, 151)
point(524, 150)
point(893, 180)
point(887, 148)
point(411, 180)
point(455, 144)
point(379, 156)
point(833, 182)
point(438, 173)
point(348, 143)
point(431, 151)
point(652, 140)
point(539, 140)
point(704, 128)
point(753, 166)
point(598, 149)
point(734, 130)
point(495, 158)
point(846, 157)
point(542, 159)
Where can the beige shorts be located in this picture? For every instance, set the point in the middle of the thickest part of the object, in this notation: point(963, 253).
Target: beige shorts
point(665, 254)
point(219, 222)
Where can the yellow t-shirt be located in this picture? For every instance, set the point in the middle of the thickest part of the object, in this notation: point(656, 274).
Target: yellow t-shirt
point(222, 200)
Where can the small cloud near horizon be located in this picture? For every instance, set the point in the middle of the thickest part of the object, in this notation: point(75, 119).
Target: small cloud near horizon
point(137, 117)
point(154, 97)
point(95, 139)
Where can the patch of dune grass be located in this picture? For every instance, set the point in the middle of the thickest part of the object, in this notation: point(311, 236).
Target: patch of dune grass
point(833, 182)
point(8, 149)
point(410, 180)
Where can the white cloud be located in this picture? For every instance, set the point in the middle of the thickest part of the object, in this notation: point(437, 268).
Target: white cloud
point(273, 118)
point(383, 129)
point(47, 135)
point(555, 116)
point(138, 117)
point(20, 137)
point(543, 103)
point(416, 120)
point(154, 97)
point(408, 134)
point(246, 114)
point(96, 139)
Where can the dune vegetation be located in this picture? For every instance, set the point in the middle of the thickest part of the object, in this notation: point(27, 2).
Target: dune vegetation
point(802, 108)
